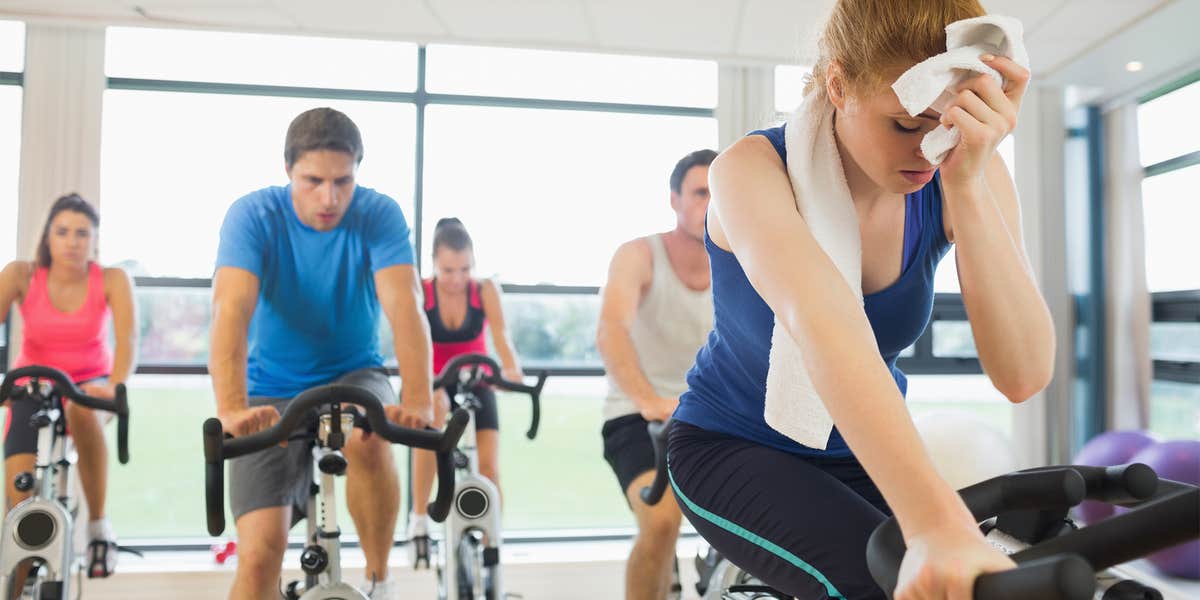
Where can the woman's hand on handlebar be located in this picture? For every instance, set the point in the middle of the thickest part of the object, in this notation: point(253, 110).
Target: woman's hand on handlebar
point(513, 375)
point(106, 391)
point(249, 420)
point(943, 563)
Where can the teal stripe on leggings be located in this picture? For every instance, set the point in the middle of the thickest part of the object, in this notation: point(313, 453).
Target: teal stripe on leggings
point(755, 539)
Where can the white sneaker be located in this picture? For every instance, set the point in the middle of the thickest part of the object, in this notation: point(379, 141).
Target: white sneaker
point(419, 546)
point(380, 590)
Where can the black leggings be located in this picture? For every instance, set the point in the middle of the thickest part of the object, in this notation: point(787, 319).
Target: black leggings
point(19, 436)
point(800, 524)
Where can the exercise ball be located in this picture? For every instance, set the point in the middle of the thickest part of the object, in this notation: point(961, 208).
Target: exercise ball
point(1105, 450)
point(1177, 460)
point(965, 448)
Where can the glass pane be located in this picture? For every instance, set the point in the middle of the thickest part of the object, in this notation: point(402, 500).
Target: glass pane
point(12, 46)
point(972, 394)
point(1171, 207)
point(789, 86)
point(553, 330)
point(549, 195)
point(1175, 341)
point(142, 503)
point(512, 72)
point(259, 59)
point(953, 339)
point(173, 325)
point(1175, 410)
point(183, 173)
point(582, 491)
point(10, 165)
point(1168, 127)
point(164, 441)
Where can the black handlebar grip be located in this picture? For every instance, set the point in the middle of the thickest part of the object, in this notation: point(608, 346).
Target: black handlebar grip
point(439, 509)
point(652, 493)
point(122, 401)
point(1063, 577)
point(1126, 484)
point(214, 476)
point(1043, 489)
point(535, 397)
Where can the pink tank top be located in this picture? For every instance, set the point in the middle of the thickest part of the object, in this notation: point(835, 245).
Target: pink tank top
point(74, 342)
point(467, 339)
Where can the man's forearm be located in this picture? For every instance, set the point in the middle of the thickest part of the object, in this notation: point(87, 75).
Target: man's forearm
point(621, 361)
point(411, 337)
point(227, 367)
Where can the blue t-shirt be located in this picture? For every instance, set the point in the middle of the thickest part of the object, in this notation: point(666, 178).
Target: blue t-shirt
point(727, 386)
point(318, 315)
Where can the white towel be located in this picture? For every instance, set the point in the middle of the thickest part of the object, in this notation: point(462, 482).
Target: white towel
point(933, 82)
point(814, 165)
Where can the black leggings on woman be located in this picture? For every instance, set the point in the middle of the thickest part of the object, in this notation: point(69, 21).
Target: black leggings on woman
point(800, 524)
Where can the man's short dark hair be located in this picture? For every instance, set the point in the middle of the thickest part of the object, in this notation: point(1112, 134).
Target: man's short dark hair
point(322, 129)
point(699, 158)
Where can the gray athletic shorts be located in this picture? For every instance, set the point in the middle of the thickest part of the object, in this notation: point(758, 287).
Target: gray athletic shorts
point(282, 476)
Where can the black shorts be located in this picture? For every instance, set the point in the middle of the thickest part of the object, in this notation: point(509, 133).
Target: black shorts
point(487, 416)
point(19, 436)
point(800, 524)
point(628, 449)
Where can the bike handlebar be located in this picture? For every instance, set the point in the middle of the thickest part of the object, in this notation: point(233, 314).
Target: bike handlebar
point(299, 413)
point(658, 430)
point(1166, 513)
point(118, 405)
point(451, 375)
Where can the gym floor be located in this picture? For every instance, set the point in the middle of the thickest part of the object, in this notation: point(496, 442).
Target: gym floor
point(535, 571)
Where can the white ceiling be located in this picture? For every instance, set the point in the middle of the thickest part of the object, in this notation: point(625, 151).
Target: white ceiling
point(752, 31)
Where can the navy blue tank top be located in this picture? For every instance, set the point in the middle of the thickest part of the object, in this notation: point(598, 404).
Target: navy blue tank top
point(727, 386)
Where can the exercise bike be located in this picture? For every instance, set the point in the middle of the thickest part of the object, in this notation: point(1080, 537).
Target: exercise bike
point(41, 528)
point(1024, 514)
point(468, 555)
point(719, 579)
point(322, 417)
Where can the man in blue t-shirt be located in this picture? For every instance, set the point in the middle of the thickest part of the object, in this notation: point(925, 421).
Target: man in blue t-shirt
point(301, 275)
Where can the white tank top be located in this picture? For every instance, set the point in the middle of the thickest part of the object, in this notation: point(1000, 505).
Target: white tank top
point(672, 324)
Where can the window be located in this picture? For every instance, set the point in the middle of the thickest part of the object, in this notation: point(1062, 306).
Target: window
point(12, 46)
point(10, 164)
point(172, 164)
point(256, 59)
point(1169, 150)
point(602, 133)
point(12, 62)
point(1171, 210)
point(548, 195)
point(1167, 126)
point(541, 74)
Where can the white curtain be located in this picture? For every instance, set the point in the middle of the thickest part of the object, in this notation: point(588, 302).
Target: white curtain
point(60, 134)
point(746, 101)
point(1129, 368)
point(60, 130)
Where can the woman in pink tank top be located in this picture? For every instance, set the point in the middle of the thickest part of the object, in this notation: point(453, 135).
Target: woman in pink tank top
point(66, 302)
point(460, 309)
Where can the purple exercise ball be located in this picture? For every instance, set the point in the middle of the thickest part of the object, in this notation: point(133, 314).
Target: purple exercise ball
point(1177, 460)
point(1105, 450)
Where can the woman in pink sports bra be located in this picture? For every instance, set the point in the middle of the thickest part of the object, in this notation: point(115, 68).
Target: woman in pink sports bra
point(66, 300)
point(460, 309)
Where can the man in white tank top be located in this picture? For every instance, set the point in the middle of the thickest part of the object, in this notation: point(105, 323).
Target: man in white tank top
point(656, 313)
